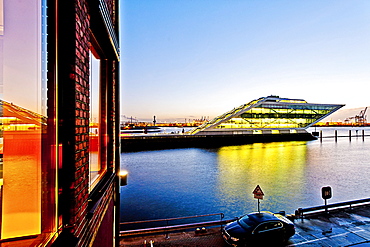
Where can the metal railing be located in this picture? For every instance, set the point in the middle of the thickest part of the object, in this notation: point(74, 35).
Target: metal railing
point(334, 206)
point(349, 135)
point(167, 227)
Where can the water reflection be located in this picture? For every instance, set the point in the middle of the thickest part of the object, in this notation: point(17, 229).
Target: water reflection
point(271, 165)
point(20, 162)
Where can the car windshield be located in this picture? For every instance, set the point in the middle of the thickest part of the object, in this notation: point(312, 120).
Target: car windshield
point(246, 222)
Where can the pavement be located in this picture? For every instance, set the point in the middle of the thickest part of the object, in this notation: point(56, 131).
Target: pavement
point(347, 227)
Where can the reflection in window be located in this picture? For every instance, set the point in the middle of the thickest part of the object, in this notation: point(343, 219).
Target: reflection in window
point(95, 119)
point(21, 119)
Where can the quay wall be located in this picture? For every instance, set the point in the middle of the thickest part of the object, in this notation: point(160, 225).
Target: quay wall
point(155, 142)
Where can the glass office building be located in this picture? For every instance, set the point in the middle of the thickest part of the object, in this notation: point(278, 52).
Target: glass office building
point(268, 115)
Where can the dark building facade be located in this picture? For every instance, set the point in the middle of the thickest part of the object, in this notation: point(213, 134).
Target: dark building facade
point(68, 145)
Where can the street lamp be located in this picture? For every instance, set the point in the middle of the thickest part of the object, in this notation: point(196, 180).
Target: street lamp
point(123, 178)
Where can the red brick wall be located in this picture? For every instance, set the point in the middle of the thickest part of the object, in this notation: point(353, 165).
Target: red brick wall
point(76, 92)
point(82, 215)
point(81, 79)
point(73, 53)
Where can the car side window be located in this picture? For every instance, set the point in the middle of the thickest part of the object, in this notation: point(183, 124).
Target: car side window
point(268, 226)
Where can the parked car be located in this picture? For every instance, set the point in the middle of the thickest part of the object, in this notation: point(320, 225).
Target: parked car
point(258, 228)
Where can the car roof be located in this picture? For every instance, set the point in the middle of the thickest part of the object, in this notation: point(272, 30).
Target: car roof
point(262, 217)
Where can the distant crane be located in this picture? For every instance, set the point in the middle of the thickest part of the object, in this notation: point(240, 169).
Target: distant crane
point(360, 119)
point(129, 118)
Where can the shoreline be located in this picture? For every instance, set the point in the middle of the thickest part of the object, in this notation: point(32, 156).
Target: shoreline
point(158, 142)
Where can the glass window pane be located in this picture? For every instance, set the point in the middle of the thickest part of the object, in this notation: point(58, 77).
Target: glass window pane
point(95, 119)
point(22, 117)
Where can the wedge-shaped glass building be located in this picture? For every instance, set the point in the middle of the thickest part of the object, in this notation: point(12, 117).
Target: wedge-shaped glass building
point(268, 115)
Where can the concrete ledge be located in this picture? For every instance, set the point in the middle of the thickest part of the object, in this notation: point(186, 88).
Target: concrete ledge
point(169, 229)
point(155, 142)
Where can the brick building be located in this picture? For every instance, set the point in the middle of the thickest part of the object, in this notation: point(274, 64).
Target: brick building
point(59, 134)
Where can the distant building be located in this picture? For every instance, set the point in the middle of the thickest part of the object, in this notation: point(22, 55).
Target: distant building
point(267, 115)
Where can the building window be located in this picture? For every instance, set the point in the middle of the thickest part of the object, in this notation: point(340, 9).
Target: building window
point(22, 116)
point(95, 133)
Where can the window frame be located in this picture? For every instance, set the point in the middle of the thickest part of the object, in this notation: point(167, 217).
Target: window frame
point(102, 132)
point(44, 147)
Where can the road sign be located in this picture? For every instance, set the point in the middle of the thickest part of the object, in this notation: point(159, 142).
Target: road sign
point(258, 193)
point(258, 196)
point(326, 192)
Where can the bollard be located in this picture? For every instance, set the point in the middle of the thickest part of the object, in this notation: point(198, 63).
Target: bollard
point(167, 236)
point(349, 134)
point(336, 135)
point(321, 135)
point(291, 217)
point(299, 213)
point(363, 135)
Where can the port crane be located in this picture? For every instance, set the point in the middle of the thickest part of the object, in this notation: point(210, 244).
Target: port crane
point(129, 118)
point(360, 119)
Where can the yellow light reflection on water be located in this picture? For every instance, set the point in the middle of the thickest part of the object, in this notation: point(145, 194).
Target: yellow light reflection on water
point(270, 165)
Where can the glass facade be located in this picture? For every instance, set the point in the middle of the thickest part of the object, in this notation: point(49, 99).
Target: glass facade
point(22, 116)
point(55, 185)
point(270, 113)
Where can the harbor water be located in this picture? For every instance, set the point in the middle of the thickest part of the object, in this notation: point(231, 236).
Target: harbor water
point(196, 181)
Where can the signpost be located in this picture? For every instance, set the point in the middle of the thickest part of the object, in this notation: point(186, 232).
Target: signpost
point(258, 194)
point(326, 194)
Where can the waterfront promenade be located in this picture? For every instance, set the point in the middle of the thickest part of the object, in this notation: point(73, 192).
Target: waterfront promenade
point(346, 227)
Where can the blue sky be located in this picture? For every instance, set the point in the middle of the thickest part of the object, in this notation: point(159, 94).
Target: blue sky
point(183, 59)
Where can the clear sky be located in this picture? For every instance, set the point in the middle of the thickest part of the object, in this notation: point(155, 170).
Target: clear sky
point(183, 59)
